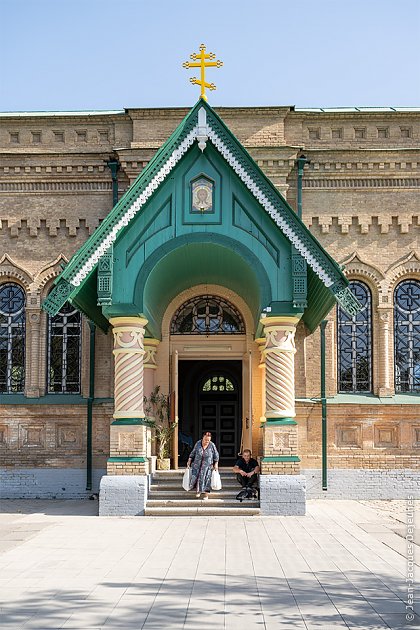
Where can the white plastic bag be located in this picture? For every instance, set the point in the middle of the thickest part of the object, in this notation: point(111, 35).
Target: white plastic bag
point(216, 482)
point(186, 479)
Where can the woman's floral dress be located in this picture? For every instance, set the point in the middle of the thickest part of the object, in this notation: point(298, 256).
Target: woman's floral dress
point(202, 466)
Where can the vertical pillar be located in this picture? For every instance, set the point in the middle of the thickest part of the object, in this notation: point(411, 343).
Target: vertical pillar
point(282, 486)
point(150, 367)
point(33, 328)
point(128, 436)
point(149, 364)
point(386, 387)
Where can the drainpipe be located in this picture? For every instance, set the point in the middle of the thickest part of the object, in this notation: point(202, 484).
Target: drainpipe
point(300, 163)
point(324, 407)
point(90, 406)
point(114, 166)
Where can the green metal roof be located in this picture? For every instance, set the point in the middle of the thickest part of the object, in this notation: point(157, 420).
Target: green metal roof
point(327, 282)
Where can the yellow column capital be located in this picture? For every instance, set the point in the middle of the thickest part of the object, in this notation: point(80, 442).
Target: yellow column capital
point(150, 348)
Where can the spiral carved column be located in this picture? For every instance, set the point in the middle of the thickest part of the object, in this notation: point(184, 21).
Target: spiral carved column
point(128, 352)
point(280, 429)
point(279, 365)
point(128, 446)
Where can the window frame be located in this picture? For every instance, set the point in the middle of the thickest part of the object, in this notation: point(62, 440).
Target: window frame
point(409, 322)
point(14, 325)
point(355, 324)
point(64, 351)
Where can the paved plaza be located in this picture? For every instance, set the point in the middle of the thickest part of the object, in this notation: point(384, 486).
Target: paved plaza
point(341, 566)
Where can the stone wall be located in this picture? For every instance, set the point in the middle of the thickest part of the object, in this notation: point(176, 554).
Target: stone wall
point(360, 199)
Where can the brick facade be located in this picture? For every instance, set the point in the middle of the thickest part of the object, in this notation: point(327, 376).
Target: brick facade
point(360, 200)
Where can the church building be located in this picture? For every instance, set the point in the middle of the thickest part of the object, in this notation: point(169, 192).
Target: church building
point(259, 265)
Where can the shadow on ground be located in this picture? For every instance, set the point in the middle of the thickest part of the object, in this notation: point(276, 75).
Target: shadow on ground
point(219, 601)
point(50, 507)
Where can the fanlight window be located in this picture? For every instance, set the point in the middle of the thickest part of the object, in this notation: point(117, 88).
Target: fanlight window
point(64, 345)
point(207, 315)
point(12, 338)
point(407, 336)
point(355, 343)
point(218, 384)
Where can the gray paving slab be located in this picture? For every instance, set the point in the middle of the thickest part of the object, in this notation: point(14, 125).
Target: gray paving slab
point(342, 565)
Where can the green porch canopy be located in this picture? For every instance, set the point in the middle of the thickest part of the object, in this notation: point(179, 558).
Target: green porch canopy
point(158, 240)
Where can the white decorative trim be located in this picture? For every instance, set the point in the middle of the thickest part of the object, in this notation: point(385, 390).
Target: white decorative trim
point(135, 206)
point(268, 206)
point(201, 132)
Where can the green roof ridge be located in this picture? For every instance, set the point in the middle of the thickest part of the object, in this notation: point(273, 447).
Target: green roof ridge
point(130, 195)
point(291, 213)
point(323, 264)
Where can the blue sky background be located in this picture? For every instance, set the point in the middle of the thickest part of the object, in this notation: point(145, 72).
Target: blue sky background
point(111, 54)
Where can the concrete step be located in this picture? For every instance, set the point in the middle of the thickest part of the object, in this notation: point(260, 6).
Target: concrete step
point(168, 498)
point(200, 510)
point(180, 493)
point(233, 503)
point(168, 487)
point(176, 477)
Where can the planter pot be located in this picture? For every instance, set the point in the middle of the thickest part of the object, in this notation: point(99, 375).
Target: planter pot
point(163, 464)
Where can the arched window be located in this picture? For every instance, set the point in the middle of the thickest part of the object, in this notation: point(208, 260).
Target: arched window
point(407, 336)
point(218, 384)
point(64, 351)
point(12, 338)
point(207, 315)
point(354, 341)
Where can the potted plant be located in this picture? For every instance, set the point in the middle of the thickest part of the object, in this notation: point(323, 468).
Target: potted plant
point(157, 409)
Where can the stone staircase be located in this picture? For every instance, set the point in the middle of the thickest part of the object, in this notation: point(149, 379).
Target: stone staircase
point(168, 498)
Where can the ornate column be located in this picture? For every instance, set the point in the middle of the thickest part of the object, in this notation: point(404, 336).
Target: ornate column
point(280, 430)
point(128, 438)
point(282, 487)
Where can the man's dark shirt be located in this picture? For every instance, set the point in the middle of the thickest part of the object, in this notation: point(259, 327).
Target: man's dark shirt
point(246, 467)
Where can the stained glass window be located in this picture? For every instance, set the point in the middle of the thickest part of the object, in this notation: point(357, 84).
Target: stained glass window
point(207, 315)
point(64, 351)
point(12, 338)
point(218, 384)
point(407, 336)
point(354, 341)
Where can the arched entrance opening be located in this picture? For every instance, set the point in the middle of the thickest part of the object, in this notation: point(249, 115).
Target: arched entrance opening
point(208, 341)
point(210, 399)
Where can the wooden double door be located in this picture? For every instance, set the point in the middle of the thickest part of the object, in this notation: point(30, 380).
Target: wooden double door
point(221, 418)
point(210, 399)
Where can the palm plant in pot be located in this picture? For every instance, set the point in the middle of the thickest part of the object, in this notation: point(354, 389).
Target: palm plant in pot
point(157, 409)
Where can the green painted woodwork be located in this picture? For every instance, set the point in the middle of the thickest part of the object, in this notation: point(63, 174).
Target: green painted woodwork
point(87, 302)
point(299, 279)
point(281, 458)
point(129, 421)
point(320, 301)
point(58, 296)
point(105, 278)
point(280, 421)
point(166, 249)
point(119, 460)
point(236, 245)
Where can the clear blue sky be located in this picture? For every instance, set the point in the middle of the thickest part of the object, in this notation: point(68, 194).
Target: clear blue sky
point(111, 54)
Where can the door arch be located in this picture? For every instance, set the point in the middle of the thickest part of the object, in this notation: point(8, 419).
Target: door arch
point(210, 399)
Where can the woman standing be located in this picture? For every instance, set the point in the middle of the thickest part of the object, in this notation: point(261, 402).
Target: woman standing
point(204, 458)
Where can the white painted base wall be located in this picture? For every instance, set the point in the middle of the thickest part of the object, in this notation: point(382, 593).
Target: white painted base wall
point(47, 483)
point(363, 483)
point(123, 495)
point(282, 495)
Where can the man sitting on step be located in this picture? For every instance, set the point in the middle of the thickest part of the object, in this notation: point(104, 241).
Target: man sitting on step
point(246, 469)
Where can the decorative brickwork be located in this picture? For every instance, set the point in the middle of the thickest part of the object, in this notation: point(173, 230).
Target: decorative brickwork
point(360, 199)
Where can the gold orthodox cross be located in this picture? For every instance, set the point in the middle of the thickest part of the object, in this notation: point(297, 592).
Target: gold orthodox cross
point(202, 63)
